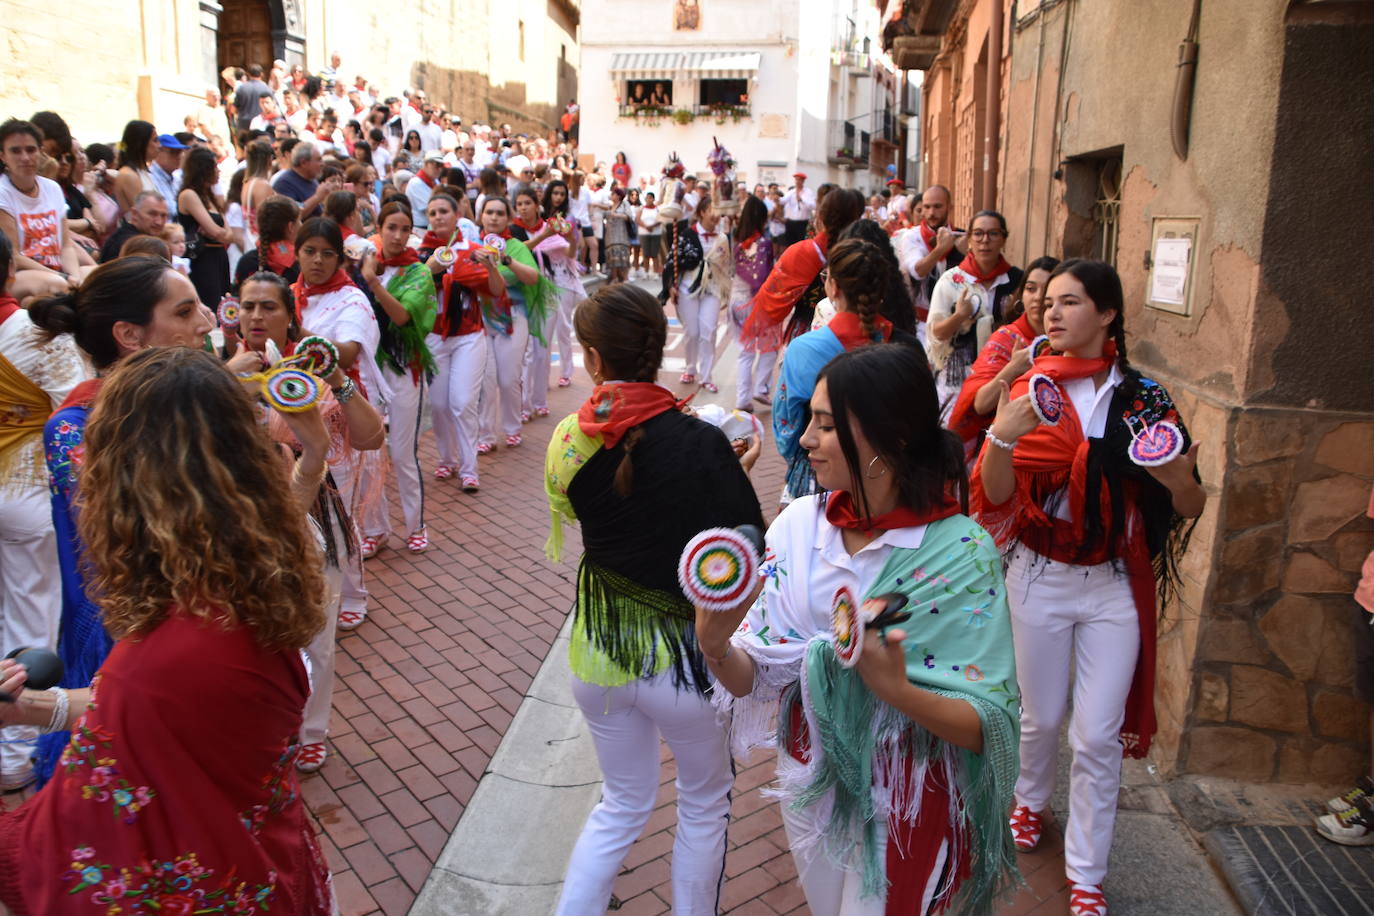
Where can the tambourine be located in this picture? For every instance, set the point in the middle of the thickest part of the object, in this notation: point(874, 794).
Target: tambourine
point(847, 627)
point(317, 355)
point(229, 313)
point(1046, 399)
point(288, 389)
point(494, 243)
point(446, 256)
point(1155, 444)
point(1040, 346)
point(718, 567)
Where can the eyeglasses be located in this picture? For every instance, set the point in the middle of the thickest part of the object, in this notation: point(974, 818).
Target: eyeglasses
point(987, 234)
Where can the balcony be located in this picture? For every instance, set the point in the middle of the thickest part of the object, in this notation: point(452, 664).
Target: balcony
point(914, 29)
point(719, 112)
point(848, 145)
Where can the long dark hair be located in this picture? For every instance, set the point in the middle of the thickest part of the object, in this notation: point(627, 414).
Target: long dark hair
point(627, 327)
point(198, 173)
point(133, 146)
point(1017, 308)
point(550, 209)
point(838, 209)
point(275, 216)
point(889, 391)
point(753, 217)
point(894, 299)
point(125, 289)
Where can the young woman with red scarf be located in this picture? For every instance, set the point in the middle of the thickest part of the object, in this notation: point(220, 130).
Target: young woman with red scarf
point(278, 219)
point(642, 478)
point(1094, 538)
point(895, 772)
point(566, 274)
point(1005, 358)
point(967, 304)
point(404, 291)
point(329, 304)
point(542, 237)
point(458, 343)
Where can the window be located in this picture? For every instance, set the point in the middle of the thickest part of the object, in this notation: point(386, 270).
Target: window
point(522, 39)
point(724, 92)
point(643, 93)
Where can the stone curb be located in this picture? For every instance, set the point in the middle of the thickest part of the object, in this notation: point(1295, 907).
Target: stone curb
point(509, 852)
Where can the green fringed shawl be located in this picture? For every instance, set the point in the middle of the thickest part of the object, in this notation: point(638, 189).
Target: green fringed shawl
point(959, 645)
point(413, 287)
point(540, 297)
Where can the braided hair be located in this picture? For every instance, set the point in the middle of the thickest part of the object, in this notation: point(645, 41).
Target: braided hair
point(275, 216)
point(896, 305)
point(857, 269)
point(627, 328)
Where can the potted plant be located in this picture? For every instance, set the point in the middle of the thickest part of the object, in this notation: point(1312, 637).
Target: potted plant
point(683, 116)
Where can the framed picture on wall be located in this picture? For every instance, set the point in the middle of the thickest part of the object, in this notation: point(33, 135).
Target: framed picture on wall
point(686, 15)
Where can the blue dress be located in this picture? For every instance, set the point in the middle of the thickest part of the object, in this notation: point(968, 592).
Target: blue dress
point(82, 642)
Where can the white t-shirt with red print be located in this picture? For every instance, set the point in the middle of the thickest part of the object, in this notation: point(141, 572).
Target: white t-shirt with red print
point(38, 219)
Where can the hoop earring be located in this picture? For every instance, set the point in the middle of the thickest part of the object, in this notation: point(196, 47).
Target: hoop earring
point(867, 472)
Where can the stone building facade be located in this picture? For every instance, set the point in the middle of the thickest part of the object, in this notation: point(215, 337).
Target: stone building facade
point(1253, 174)
point(511, 61)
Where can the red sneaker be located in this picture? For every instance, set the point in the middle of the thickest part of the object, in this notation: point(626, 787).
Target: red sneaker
point(310, 757)
point(1087, 900)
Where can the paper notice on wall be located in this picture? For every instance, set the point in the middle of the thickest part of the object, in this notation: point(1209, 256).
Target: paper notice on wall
point(1169, 279)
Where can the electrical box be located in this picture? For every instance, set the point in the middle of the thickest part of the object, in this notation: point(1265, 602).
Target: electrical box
point(1172, 262)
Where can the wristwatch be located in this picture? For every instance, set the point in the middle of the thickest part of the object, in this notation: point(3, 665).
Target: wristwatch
point(505, 260)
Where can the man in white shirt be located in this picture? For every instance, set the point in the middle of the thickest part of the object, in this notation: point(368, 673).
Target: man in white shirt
point(691, 198)
point(431, 134)
point(419, 188)
point(930, 248)
point(798, 208)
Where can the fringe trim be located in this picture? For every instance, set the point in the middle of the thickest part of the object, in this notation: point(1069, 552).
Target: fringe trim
point(634, 626)
point(755, 720)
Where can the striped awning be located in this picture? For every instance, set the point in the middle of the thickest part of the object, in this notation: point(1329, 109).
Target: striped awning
point(646, 65)
point(722, 64)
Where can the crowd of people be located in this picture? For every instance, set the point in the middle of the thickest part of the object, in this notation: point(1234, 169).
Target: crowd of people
point(186, 522)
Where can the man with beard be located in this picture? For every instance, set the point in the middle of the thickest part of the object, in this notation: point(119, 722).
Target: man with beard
point(929, 249)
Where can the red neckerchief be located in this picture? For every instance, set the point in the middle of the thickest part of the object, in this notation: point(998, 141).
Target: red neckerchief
point(841, 512)
point(434, 241)
point(407, 257)
point(969, 266)
point(704, 235)
point(466, 273)
point(304, 291)
point(850, 330)
point(530, 229)
point(83, 395)
point(8, 306)
point(347, 232)
point(744, 245)
point(504, 233)
point(280, 256)
point(613, 410)
point(424, 176)
point(927, 234)
point(963, 419)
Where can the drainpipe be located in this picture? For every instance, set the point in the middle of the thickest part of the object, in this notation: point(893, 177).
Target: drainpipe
point(992, 109)
point(1183, 86)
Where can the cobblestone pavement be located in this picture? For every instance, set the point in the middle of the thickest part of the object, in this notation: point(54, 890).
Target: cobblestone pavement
point(428, 684)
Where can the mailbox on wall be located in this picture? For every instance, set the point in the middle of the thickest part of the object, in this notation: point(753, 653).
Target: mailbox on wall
point(1171, 264)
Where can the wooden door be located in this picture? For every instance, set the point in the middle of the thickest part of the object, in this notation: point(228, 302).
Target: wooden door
point(245, 34)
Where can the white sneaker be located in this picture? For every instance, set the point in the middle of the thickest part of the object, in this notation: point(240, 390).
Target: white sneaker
point(1349, 828)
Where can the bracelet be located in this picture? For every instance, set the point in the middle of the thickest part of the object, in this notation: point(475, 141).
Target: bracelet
point(60, 706)
point(298, 479)
point(345, 392)
point(992, 437)
point(719, 659)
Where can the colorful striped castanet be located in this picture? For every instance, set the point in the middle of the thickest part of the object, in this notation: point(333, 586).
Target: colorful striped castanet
point(717, 568)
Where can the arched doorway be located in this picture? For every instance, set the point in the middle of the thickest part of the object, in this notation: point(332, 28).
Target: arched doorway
point(245, 34)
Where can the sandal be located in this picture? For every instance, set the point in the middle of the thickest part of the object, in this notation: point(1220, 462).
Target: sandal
point(1087, 900)
point(711, 387)
point(443, 472)
point(310, 757)
point(418, 542)
point(541, 411)
point(687, 378)
point(564, 381)
point(763, 399)
point(351, 620)
point(371, 544)
point(513, 440)
point(470, 485)
point(525, 416)
point(1026, 828)
point(485, 448)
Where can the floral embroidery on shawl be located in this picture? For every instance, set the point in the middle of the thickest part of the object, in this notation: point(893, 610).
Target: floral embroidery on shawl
point(176, 887)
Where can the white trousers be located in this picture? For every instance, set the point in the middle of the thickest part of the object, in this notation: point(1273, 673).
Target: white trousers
point(353, 590)
point(699, 313)
point(455, 395)
point(828, 888)
point(30, 593)
point(501, 382)
point(535, 384)
point(1081, 617)
point(320, 654)
point(403, 413)
point(563, 328)
point(753, 373)
point(625, 723)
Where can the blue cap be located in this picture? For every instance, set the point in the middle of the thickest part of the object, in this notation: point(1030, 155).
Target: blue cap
point(170, 142)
